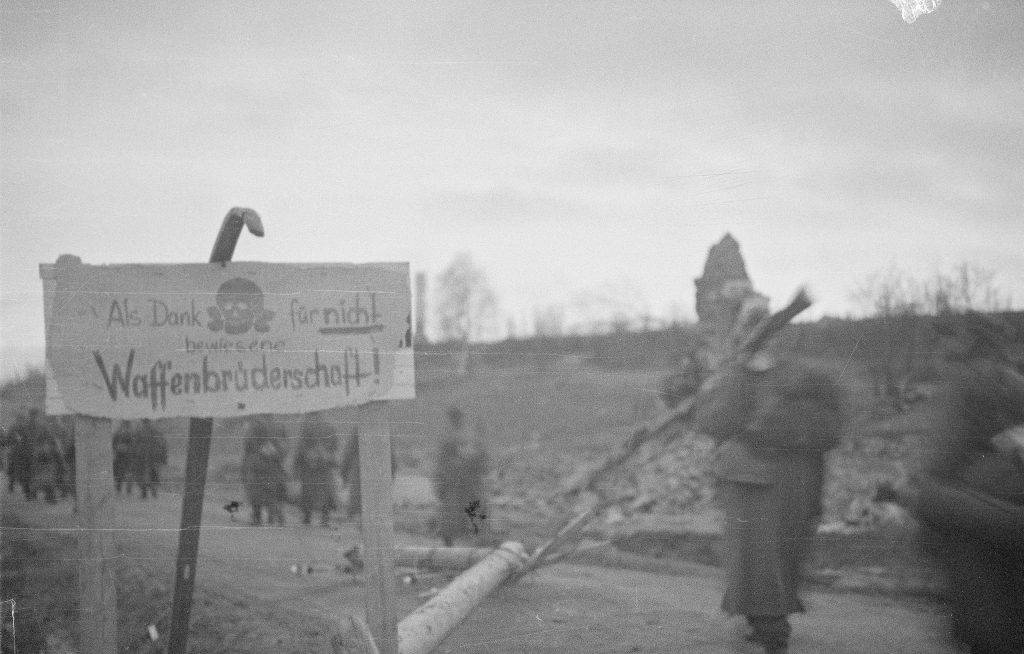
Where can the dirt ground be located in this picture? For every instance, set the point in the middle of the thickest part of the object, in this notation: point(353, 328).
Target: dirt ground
point(248, 599)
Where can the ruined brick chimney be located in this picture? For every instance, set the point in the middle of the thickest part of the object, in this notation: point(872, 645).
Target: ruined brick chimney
point(726, 302)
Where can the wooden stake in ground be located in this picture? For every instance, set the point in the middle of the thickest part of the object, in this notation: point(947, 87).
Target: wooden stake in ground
point(199, 431)
point(378, 526)
point(97, 590)
point(585, 480)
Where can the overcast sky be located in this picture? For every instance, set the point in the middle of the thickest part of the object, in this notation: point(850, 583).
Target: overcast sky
point(569, 146)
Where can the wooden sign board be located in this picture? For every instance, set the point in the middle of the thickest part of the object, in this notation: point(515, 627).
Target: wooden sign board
point(222, 340)
point(156, 341)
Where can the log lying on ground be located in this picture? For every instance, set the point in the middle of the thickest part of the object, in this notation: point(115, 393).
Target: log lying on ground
point(441, 558)
point(431, 558)
point(426, 627)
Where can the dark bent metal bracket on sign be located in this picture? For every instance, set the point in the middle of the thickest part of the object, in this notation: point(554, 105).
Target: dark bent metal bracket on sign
point(231, 229)
point(199, 431)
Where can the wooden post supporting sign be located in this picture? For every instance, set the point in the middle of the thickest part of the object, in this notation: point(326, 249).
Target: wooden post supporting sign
point(97, 590)
point(378, 526)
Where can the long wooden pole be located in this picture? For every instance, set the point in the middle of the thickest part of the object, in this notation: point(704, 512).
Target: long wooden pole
point(199, 431)
point(378, 526)
point(567, 533)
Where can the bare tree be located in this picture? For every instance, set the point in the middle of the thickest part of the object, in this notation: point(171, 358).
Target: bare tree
point(510, 327)
point(549, 320)
point(893, 299)
point(896, 301)
point(613, 306)
point(966, 287)
point(889, 292)
point(466, 305)
point(676, 316)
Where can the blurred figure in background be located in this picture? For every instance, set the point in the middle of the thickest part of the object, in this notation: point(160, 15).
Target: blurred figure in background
point(969, 494)
point(774, 421)
point(19, 461)
point(45, 459)
point(350, 473)
point(263, 473)
point(315, 462)
point(459, 484)
point(121, 444)
point(149, 454)
point(61, 429)
point(679, 385)
point(6, 441)
point(135, 459)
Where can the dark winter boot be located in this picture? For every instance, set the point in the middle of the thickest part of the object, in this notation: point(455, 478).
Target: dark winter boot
point(771, 632)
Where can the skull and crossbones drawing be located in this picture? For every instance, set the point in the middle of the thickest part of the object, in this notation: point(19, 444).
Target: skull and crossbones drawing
point(239, 308)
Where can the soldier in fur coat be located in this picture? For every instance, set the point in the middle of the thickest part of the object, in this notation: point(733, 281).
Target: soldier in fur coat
point(149, 454)
point(263, 472)
point(774, 423)
point(19, 461)
point(315, 463)
point(459, 483)
point(121, 443)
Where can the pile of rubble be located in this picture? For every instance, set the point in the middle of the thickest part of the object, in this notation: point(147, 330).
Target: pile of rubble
point(672, 476)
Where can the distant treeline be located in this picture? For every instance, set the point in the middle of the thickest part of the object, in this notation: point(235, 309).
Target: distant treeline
point(904, 342)
point(618, 350)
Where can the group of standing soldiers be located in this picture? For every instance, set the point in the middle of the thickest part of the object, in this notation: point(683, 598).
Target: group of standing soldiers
point(40, 456)
point(139, 453)
point(460, 469)
point(315, 463)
